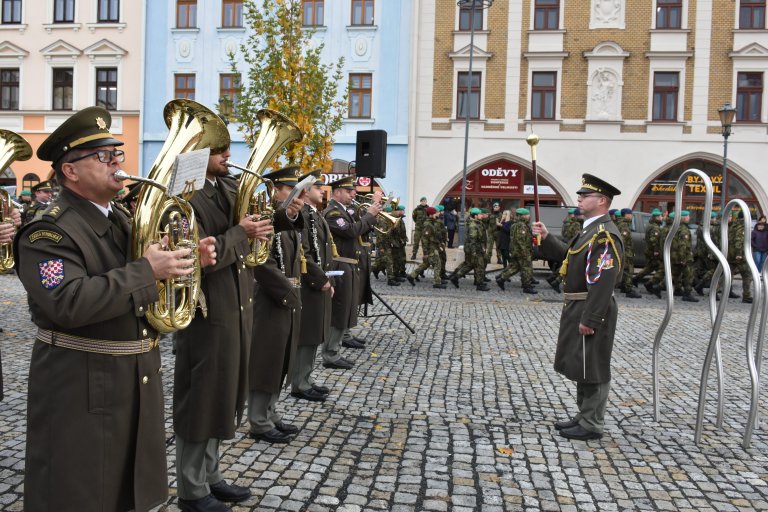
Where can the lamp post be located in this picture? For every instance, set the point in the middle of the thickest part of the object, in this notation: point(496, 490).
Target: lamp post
point(727, 113)
point(472, 5)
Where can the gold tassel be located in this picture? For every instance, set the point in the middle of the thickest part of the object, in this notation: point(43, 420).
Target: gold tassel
point(303, 260)
point(334, 251)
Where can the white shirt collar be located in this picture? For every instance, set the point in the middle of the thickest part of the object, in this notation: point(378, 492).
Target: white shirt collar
point(103, 210)
point(590, 220)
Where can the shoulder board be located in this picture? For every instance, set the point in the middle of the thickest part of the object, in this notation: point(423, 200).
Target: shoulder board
point(52, 213)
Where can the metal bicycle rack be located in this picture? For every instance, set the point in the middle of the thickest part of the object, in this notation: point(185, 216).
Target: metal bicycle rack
point(760, 302)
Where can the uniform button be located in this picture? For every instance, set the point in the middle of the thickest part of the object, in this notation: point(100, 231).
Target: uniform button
point(238, 271)
point(241, 308)
point(241, 256)
point(141, 308)
point(250, 299)
point(285, 301)
point(145, 380)
point(243, 265)
point(144, 332)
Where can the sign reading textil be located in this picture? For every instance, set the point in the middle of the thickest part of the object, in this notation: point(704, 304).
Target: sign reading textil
point(495, 179)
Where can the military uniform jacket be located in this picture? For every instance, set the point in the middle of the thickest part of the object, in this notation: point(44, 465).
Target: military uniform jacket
point(653, 240)
point(315, 303)
point(521, 243)
point(95, 430)
point(35, 209)
point(625, 229)
point(211, 379)
point(401, 235)
point(345, 232)
point(588, 358)
point(276, 312)
point(475, 242)
point(419, 215)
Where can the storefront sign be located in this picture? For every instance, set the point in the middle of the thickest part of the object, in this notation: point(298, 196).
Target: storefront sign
point(693, 185)
point(500, 178)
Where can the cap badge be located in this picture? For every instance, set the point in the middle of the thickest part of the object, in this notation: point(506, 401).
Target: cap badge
point(101, 124)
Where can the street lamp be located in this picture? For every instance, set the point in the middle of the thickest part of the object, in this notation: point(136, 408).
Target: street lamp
point(727, 113)
point(473, 6)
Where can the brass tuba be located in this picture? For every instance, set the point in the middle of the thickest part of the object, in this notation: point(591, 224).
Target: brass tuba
point(192, 126)
point(254, 193)
point(12, 147)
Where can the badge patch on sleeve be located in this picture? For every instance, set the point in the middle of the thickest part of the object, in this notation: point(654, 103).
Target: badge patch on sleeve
point(606, 262)
point(341, 222)
point(51, 273)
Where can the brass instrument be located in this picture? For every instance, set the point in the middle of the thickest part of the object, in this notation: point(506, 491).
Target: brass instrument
point(254, 193)
point(12, 147)
point(192, 126)
point(389, 220)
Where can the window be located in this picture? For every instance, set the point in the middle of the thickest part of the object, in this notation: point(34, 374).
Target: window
point(752, 14)
point(468, 95)
point(362, 12)
point(749, 97)
point(11, 11)
point(232, 13)
point(63, 11)
point(106, 88)
point(184, 86)
point(471, 15)
point(229, 83)
point(186, 13)
point(62, 88)
point(546, 14)
point(360, 88)
point(313, 13)
point(9, 89)
point(669, 14)
point(109, 11)
point(28, 181)
point(543, 94)
point(665, 89)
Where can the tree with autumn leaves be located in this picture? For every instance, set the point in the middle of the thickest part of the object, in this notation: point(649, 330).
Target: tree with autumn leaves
point(285, 73)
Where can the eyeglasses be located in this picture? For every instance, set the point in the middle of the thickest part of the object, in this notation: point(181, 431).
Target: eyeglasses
point(104, 155)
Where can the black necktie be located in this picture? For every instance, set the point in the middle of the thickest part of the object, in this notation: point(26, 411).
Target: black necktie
point(118, 233)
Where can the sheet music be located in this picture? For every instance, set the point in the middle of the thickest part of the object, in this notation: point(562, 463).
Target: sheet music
point(189, 167)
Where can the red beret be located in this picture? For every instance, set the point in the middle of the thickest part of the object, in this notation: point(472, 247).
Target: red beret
point(431, 210)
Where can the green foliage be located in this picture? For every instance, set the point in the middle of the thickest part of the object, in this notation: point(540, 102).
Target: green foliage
point(285, 73)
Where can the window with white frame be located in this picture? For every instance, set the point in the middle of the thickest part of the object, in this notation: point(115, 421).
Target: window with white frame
point(11, 12)
point(63, 11)
point(106, 88)
point(669, 14)
point(546, 15)
point(749, 97)
point(62, 82)
point(468, 92)
point(9, 89)
point(471, 15)
point(752, 14)
point(666, 88)
point(543, 95)
point(360, 93)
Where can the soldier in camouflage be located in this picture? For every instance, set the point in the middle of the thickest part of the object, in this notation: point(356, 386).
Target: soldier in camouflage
point(384, 257)
point(520, 253)
point(736, 240)
point(707, 259)
point(419, 215)
point(628, 269)
point(430, 250)
point(399, 241)
point(442, 236)
point(474, 252)
point(681, 258)
point(492, 233)
point(653, 245)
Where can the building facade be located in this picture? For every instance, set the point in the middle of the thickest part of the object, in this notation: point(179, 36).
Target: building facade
point(628, 90)
point(60, 56)
point(189, 43)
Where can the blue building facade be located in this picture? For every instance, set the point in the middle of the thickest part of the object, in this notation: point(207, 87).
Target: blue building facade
point(187, 47)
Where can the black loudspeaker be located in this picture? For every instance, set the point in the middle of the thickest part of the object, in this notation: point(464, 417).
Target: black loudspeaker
point(371, 154)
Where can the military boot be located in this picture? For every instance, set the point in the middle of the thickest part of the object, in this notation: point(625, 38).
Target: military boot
point(441, 285)
point(500, 283)
point(455, 280)
point(393, 282)
point(530, 290)
point(699, 288)
point(410, 280)
point(687, 297)
point(632, 294)
point(482, 287)
point(376, 273)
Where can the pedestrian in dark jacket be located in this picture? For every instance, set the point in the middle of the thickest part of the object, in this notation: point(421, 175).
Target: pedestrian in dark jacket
point(506, 223)
point(760, 243)
point(450, 219)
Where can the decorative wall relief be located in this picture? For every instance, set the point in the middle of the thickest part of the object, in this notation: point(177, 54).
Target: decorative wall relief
point(607, 14)
point(604, 95)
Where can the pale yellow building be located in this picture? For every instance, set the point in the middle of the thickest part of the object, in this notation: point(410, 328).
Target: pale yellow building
point(59, 56)
point(625, 89)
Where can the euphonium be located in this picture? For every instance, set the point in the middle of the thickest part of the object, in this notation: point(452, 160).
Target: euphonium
point(254, 193)
point(192, 126)
point(12, 147)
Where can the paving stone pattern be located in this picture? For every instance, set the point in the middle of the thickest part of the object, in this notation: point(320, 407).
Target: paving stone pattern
point(458, 417)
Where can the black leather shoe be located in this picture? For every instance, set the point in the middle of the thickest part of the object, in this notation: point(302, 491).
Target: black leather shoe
point(309, 394)
point(223, 491)
point(351, 343)
point(534, 281)
point(500, 283)
point(410, 280)
point(580, 433)
point(286, 428)
point(341, 364)
point(321, 389)
point(271, 436)
point(361, 341)
point(205, 504)
point(560, 425)
point(376, 274)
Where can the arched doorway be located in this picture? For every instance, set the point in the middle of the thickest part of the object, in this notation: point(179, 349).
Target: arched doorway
point(505, 181)
point(660, 191)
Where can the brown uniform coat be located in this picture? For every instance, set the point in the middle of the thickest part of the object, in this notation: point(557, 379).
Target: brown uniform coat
point(276, 315)
point(315, 303)
point(345, 232)
point(211, 379)
point(95, 431)
point(598, 311)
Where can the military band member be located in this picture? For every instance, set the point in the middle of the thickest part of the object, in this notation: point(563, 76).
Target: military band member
point(211, 380)
point(7, 231)
point(316, 293)
point(419, 215)
point(276, 317)
point(346, 233)
point(43, 192)
point(95, 426)
point(591, 266)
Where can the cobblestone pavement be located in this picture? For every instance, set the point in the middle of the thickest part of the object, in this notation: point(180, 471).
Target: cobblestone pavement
point(459, 416)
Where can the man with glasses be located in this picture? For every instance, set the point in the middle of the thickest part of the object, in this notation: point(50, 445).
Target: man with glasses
point(593, 263)
point(95, 420)
point(43, 192)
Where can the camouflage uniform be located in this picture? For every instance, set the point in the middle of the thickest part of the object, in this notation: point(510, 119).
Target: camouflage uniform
point(681, 258)
point(653, 246)
point(442, 237)
point(654, 284)
point(710, 262)
point(399, 241)
point(419, 215)
point(520, 255)
point(431, 251)
point(474, 254)
point(384, 258)
point(628, 269)
point(736, 240)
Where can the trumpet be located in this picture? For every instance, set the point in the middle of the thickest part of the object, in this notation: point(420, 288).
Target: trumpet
point(12, 147)
point(390, 222)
